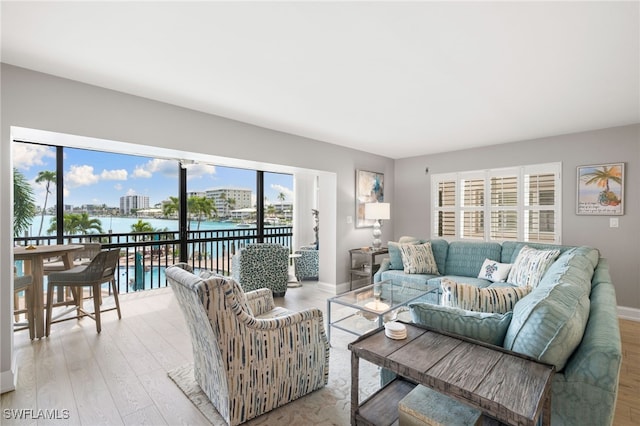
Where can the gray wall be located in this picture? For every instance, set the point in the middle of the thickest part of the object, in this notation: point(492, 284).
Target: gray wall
point(620, 144)
point(39, 101)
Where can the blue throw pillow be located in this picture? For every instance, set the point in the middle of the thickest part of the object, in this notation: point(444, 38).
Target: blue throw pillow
point(483, 326)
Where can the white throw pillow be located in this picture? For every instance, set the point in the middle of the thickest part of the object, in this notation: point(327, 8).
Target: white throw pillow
point(418, 259)
point(494, 271)
point(530, 266)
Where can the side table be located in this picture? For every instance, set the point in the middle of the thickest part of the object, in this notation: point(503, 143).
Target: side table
point(362, 262)
point(293, 280)
point(509, 387)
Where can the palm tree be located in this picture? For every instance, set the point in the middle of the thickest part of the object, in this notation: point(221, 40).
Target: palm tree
point(601, 178)
point(140, 226)
point(282, 197)
point(171, 207)
point(201, 208)
point(24, 208)
point(74, 223)
point(231, 203)
point(86, 224)
point(46, 176)
point(223, 197)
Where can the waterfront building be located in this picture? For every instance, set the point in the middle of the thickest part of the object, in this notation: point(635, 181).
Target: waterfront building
point(133, 202)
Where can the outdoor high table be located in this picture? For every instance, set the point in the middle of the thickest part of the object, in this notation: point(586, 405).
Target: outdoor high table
point(35, 266)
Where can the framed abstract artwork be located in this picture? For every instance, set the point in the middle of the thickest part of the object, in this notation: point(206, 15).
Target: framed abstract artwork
point(600, 189)
point(369, 189)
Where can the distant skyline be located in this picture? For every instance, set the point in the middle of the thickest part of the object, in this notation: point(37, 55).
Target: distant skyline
point(93, 177)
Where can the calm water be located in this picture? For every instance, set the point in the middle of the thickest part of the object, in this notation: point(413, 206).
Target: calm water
point(119, 225)
point(123, 225)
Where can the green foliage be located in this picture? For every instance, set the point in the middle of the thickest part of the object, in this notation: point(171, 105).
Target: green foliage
point(77, 223)
point(24, 208)
point(48, 177)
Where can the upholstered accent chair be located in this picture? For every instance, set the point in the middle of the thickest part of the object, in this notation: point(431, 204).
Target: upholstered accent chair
point(262, 265)
point(249, 356)
point(307, 264)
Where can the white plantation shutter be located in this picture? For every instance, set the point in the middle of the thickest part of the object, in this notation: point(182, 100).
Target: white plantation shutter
point(472, 208)
point(539, 207)
point(519, 203)
point(445, 212)
point(504, 207)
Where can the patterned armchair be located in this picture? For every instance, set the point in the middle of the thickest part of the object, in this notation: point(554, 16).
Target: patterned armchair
point(262, 265)
point(307, 264)
point(249, 356)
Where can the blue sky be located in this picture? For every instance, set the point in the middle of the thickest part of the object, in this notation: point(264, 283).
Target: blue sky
point(102, 178)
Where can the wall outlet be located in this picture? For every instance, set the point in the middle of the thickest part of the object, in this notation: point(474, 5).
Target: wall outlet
point(613, 222)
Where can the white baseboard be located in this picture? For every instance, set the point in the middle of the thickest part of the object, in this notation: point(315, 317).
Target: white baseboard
point(632, 314)
point(9, 378)
point(326, 287)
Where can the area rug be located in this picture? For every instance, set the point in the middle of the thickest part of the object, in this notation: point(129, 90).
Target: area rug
point(330, 405)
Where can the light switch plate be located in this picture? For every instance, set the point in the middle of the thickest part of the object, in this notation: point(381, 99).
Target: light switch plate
point(613, 222)
point(349, 219)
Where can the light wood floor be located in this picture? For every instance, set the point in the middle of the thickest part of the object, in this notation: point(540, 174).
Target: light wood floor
point(119, 377)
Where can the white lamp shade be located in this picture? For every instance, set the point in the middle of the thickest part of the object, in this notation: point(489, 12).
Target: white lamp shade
point(377, 211)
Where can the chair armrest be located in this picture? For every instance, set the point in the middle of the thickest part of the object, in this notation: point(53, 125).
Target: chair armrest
point(260, 301)
point(285, 321)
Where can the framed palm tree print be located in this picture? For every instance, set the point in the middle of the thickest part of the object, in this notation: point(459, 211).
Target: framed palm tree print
point(600, 190)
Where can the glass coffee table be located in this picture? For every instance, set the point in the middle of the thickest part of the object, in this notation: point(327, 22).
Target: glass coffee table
point(370, 307)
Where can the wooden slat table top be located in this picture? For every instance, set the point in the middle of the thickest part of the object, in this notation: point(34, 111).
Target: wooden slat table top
point(508, 386)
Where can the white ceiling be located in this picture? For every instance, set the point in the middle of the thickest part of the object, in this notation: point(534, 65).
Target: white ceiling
point(396, 79)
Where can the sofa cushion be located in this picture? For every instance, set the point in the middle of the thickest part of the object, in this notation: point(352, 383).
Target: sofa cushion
point(472, 298)
point(487, 327)
point(530, 265)
point(494, 271)
point(549, 323)
point(399, 277)
point(477, 282)
point(465, 258)
point(418, 259)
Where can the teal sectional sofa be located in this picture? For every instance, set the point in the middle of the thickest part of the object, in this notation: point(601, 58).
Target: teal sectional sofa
point(569, 319)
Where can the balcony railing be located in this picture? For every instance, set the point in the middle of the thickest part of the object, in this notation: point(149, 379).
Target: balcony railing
point(145, 255)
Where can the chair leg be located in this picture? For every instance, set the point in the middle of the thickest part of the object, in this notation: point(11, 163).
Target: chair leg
point(115, 297)
point(16, 302)
point(28, 300)
point(49, 309)
point(96, 306)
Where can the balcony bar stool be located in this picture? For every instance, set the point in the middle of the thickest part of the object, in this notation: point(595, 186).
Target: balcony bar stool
point(80, 257)
point(101, 270)
point(24, 283)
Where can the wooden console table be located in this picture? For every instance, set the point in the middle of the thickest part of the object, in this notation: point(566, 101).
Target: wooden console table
point(509, 387)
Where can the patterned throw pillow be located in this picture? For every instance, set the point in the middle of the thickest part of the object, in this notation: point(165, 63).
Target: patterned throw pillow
point(494, 299)
point(530, 266)
point(494, 271)
point(418, 259)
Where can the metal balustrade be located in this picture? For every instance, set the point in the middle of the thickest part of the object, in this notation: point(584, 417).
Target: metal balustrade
point(145, 255)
